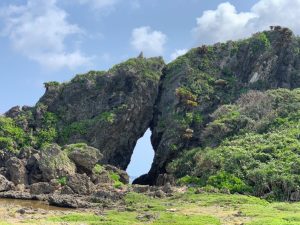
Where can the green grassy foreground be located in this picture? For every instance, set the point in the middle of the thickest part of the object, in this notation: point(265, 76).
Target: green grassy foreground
point(183, 209)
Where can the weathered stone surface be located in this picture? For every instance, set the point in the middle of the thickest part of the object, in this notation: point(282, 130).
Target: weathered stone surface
point(16, 171)
point(80, 184)
point(191, 88)
point(124, 178)
point(41, 188)
point(5, 185)
point(54, 163)
point(68, 201)
point(107, 110)
point(84, 157)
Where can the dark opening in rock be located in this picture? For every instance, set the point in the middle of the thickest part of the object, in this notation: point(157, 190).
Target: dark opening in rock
point(142, 157)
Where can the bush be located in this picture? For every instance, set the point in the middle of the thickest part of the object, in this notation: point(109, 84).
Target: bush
point(190, 180)
point(224, 180)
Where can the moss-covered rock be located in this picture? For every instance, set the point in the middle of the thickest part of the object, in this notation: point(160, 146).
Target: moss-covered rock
point(55, 163)
point(84, 157)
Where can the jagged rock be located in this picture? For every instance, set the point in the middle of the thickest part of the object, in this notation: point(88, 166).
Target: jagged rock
point(80, 184)
point(124, 178)
point(66, 190)
point(4, 156)
point(84, 157)
point(54, 163)
point(5, 185)
point(141, 188)
point(102, 178)
point(41, 188)
point(112, 195)
point(107, 110)
point(164, 179)
point(16, 171)
point(194, 85)
point(68, 201)
point(34, 173)
point(26, 153)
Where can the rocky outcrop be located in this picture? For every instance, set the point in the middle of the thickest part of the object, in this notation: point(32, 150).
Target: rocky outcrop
point(107, 110)
point(54, 163)
point(84, 157)
point(195, 84)
point(16, 171)
point(5, 185)
point(111, 110)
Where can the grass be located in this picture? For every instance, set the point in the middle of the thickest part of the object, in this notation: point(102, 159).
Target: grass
point(183, 209)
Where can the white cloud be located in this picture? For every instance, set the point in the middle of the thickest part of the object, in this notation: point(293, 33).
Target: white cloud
point(39, 30)
point(226, 23)
point(99, 4)
point(177, 53)
point(151, 42)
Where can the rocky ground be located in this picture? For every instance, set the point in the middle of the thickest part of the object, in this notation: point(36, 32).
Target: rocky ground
point(182, 208)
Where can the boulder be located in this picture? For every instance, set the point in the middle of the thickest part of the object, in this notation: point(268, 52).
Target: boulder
point(68, 201)
point(55, 163)
point(84, 157)
point(124, 178)
point(80, 184)
point(16, 171)
point(5, 185)
point(41, 188)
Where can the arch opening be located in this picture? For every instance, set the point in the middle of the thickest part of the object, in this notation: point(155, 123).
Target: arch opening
point(142, 157)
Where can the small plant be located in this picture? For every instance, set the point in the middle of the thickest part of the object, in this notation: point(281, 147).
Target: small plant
point(98, 169)
point(116, 178)
point(108, 117)
point(62, 181)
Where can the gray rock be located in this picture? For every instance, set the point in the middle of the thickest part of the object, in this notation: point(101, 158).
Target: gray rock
point(85, 157)
point(80, 184)
point(41, 188)
point(141, 188)
point(5, 185)
point(16, 171)
point(124, 178)
point(68, 201)
point(55, 163)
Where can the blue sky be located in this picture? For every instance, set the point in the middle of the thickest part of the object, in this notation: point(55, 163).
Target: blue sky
point(57, 39)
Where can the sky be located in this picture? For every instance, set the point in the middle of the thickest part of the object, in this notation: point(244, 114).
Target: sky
point(46, 40)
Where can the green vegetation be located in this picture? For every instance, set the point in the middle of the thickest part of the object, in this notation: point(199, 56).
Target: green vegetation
point(51, 84)
point(108, 117)
point(252, 146)
point(12, 137)
point(148, 68)
point(98, 169)
point(62, 181)
point(116, 178)
point(188, 209)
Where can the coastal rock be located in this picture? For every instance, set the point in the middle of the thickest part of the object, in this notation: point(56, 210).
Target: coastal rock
point(80, 184)
point(55, 163)
point(16, 171)
point(84, 157)
point(5, 185)
point(41, 188)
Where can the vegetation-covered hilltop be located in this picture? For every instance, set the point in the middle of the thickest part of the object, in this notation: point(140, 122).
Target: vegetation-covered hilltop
point(224, 116)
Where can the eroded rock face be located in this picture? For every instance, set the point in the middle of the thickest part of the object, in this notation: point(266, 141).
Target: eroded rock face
point(5, 185)
point(107, 110)
point(54, 163)
point(80, 184)
point(16, 171)
point(195, 84)
point(84, 157)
